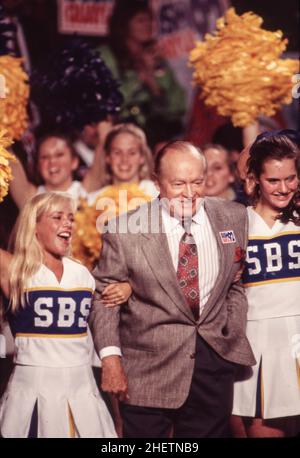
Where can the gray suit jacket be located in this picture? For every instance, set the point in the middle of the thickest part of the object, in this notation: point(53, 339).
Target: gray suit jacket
point(156, 329)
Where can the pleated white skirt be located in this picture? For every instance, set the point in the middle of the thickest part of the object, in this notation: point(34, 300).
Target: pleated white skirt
point(276, 343)
point(68, 403)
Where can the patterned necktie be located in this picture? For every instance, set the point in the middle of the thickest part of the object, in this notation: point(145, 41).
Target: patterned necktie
point(187, 271)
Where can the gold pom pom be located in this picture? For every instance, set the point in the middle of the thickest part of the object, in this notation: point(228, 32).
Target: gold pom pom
point(114, 200)
point(13, 105)
point(5, 170)
point(239, 69)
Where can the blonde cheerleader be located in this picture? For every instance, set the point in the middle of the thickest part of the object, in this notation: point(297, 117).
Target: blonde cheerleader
point(52, 391)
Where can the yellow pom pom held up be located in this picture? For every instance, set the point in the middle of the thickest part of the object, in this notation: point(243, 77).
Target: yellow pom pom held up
point(116, 199)
point(5, 170)
point(239, 69)
point(14, 96)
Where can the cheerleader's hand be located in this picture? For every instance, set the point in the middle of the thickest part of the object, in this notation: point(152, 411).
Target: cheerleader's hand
point(103, 128)
point(116, 294)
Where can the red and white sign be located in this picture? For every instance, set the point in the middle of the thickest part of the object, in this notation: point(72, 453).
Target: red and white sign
point(85, 17)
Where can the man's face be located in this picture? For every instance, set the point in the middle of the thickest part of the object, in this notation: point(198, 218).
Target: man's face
point(181, 182)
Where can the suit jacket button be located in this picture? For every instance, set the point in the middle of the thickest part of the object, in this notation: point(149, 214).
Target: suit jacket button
point(192, 355)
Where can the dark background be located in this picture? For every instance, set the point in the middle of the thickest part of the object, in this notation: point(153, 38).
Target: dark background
point(280, 14)
point(39, 20)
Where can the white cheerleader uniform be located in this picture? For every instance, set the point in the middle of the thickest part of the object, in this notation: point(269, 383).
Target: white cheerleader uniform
point(52, 356)
point(272, 281)
point(76, 190)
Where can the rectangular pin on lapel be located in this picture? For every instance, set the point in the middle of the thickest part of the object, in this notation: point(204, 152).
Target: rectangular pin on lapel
point(227, 237)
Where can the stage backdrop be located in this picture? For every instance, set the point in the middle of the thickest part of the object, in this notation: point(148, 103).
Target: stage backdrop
point(178, 23)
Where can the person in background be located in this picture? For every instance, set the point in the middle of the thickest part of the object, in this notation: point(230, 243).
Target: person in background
point(56, 163)
point(221, 180)
point(231, 138)
point(85, 144)
point(266, 397)
point(153, 98)
point(219, 173)
point(128, 160)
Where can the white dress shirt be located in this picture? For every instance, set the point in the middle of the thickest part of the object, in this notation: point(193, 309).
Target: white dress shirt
point(208, 260)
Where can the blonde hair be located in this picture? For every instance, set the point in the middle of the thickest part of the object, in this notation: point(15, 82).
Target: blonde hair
point(146, 169)
point(28, 254)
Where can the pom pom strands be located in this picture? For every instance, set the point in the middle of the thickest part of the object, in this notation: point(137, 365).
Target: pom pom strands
point(239, 70)
point(5, 170)
point(13, 106)
point(113, 200)
point(14, 88)
point(76, 88)
point(86, 240)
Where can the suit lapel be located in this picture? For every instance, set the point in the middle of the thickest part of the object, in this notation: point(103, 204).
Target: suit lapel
point(157, 253)
point(156, 249)
point(219, 223)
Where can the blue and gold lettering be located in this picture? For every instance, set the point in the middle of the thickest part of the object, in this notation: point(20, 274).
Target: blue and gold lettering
point(275, 259)
point(53, 311)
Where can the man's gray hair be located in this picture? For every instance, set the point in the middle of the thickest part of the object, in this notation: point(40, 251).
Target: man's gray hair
point(177, 145)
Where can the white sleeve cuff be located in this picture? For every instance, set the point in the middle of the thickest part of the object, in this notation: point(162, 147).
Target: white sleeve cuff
point(110, 351)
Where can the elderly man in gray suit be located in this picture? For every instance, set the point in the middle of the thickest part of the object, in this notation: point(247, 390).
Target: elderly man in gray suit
point(170, 354)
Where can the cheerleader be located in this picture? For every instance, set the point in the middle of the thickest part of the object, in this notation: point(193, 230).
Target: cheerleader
point(52, 391)
point(57, 160)
point(128, 160)
point(267, 397)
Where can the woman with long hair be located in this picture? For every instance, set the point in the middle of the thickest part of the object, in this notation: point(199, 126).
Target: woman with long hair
point(57, 161)
point(153, 98)
point(52, 392)
point(128, 160)
point(220, 173)
point(267, 397)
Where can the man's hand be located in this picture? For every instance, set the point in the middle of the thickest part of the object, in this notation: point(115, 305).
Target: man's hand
point(114, 380)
